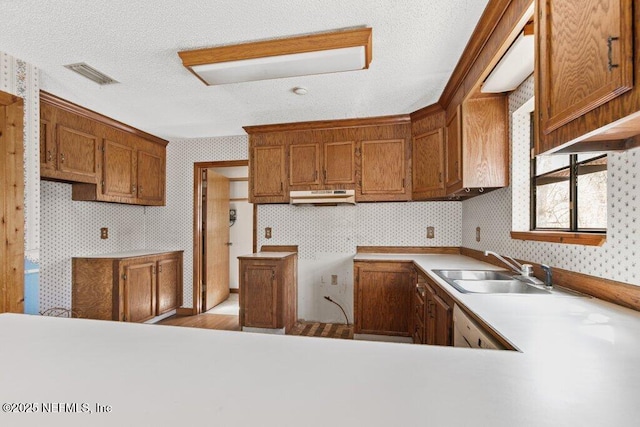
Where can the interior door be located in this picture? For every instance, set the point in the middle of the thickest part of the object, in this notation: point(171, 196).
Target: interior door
point(216, 240)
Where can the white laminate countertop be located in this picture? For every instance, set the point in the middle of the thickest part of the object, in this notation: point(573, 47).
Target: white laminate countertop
point(267, 255)
point(130, 254)
point(578, 366)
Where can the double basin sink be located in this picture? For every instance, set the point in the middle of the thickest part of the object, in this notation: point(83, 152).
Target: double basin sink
point(488, 282)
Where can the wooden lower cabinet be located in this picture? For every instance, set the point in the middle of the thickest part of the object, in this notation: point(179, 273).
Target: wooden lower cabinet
point(436, 316)
point(268, 290)
point(127, 287)
point(383, 296)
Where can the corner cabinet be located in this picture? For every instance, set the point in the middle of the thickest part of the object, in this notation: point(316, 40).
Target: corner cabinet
point(268, 290)
point(383, 298)
point(428, 165)
point(587, 66)
point(106, 161)
point(129, 287)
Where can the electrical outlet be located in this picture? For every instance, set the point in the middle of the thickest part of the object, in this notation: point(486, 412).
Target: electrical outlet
point(334, 280)
point(477, 234)
point(430, 232)
point(267, 232)
point(104, 233)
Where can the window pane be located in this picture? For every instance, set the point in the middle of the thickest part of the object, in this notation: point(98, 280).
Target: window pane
point(592, 194)
point(552, 203)
point(545, 164)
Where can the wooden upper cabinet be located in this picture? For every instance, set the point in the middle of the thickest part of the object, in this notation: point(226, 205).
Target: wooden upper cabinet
point(428, 165)
point(383, 170)
point(267, 175)
point(150, 173)
point(585, 57)
point(69, 146)
point(339, 163)
point(477, 148)
point(304, 164)
point(454, 151)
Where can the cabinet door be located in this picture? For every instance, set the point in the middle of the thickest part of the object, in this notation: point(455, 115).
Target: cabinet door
point(430, 318)
point(167, 286)
point(304, 164)
point(382, 170)
point(384, 299)
point(453, 153)
point(267, 179)
point(339, 163)
point(442, 313)
point(139, 291)
point(118, 169)
point(48, 152)
point(428, 165)
point(585, 56)
point(418, 315)
point(258, 296)
point(151, 177)
point(77, 152)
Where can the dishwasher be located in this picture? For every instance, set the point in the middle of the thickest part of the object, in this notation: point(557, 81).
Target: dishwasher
point(468, 333)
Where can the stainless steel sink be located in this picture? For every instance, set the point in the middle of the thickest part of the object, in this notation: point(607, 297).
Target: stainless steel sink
point(487, 282)
point(474, 274)
point(497, 287)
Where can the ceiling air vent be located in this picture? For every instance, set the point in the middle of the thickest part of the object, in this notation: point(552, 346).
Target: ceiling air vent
point(91, 73)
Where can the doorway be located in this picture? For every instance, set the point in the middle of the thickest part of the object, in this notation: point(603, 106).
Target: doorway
point(223, 229)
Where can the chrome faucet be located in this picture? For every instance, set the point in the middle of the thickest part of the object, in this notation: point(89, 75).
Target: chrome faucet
point(525, 271)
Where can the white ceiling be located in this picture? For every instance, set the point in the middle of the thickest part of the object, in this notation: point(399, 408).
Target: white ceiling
point(416, 45)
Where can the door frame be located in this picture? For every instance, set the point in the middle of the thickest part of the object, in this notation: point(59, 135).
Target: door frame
point(198, 168)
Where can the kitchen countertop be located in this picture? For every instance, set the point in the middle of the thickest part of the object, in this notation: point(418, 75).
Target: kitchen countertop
point(578, 366)
point(130, 254)
point(267, 255)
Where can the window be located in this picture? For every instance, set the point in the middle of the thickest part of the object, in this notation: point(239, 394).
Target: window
point(569, 192)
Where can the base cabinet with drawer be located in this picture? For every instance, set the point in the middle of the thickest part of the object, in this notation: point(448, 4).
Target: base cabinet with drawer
point(268, 290)
point(383, 297)
point(129, 287)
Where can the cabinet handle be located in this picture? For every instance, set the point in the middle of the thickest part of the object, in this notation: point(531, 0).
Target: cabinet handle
point(159, 269)
point(325, 174)
point(49, 156)
point(281, 187)
point(61, 157)
point(610, 41)
point(440, 177)
point(431, 304)
point(140, 189)
point(316, 177)
point(133, 189)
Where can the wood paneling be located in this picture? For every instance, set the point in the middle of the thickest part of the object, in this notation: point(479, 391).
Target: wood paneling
point(407, 250)
point(612, 291)
point(383, 295)
point(11, 204)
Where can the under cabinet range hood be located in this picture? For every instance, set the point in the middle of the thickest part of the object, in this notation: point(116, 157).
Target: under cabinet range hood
point(323, 197)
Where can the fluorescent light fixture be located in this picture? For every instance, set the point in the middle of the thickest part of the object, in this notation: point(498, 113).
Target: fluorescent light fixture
point(333, 52)
point(514, 67)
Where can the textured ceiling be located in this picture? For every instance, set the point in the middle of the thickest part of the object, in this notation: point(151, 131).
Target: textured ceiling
point(416, 45)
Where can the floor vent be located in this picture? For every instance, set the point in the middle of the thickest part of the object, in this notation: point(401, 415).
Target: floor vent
point(91, 73)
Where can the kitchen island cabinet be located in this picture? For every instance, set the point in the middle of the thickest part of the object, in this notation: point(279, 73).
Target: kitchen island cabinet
point(130, 287)
point(268, 290)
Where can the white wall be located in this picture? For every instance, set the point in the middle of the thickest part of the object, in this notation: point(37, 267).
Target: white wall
point(327, 237)
point(171, 226)
point(617, 259)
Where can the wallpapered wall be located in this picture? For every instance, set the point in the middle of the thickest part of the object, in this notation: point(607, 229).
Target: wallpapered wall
point(327, 237)
point(171, 226)
point(615, 260)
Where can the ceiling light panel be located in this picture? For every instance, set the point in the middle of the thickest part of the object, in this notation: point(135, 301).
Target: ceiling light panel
point(337, 51)
point(91, 73)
